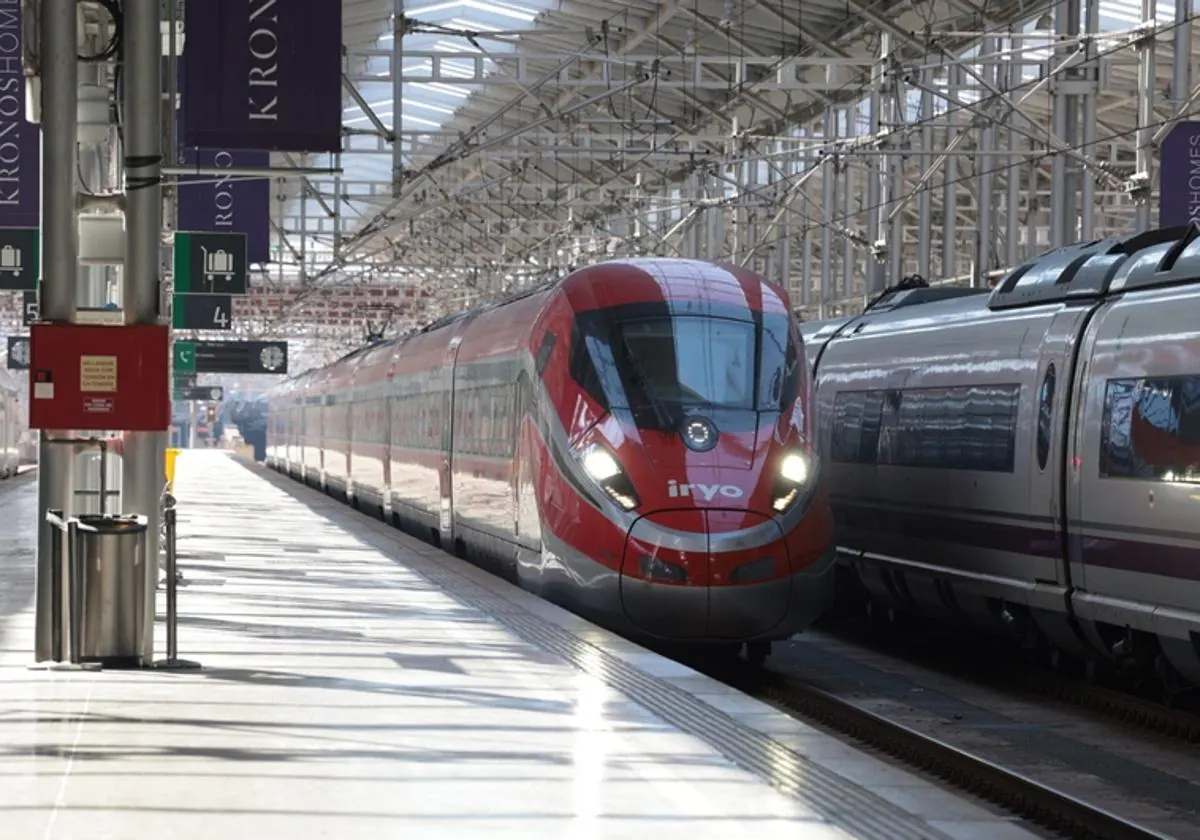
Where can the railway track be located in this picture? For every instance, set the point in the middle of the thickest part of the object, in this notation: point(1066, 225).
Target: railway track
point(1038, 803)
point(1008, 669)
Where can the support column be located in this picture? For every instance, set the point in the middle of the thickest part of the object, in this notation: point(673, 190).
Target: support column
point(1012, 204)
point(397, 100)
point(92, 293)
point(60, 259)
point(806, 240)
point(1087, 190)
point(828, 181)
point(875, 279)
point(984, 168)
point(925, 198)
point(1145, 115)
point(950, 179)
point(784, 232)
point(145, 452)
point(1181, 69)
point(849, 198)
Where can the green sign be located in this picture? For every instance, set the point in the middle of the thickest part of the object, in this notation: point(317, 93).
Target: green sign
point(185, 357)
point(19, 258)
point(210, 263)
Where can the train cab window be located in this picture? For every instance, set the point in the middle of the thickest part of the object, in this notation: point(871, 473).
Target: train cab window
point(1045, 416)
point(583, 368)
point(544, 351)
point(1151, 429)
point(780, 368)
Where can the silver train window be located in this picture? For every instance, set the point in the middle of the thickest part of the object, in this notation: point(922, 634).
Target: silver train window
point(970, 427)
point(1151, 429)
point(1045, 416)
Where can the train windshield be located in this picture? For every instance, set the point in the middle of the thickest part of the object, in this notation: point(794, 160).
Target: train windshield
point(677, 361)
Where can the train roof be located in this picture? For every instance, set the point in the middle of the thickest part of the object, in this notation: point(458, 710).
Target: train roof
point(362, 354)
point(1085, 271)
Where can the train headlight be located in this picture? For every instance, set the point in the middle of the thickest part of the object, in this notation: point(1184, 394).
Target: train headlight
point(795, 477)
point(600, 464)
point(794, 468)
point(607, 472)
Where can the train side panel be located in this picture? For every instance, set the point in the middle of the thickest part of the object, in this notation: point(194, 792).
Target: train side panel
point(1134, 469)
point(368, 445)
point(420, 430)
point(488, 370)
point(928, 427)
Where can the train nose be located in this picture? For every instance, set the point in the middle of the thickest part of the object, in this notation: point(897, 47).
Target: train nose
point(705, 574)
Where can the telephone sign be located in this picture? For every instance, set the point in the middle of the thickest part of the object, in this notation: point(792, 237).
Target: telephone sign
point(19, 258)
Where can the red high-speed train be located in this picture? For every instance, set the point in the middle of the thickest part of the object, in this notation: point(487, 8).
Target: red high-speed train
point(633, 442)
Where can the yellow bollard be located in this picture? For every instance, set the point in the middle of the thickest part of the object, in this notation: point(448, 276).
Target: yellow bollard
point(172, 454)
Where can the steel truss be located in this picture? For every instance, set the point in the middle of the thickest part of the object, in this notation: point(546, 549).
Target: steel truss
point(835, 147)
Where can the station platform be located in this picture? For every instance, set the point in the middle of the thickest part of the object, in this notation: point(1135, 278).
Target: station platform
point(359, 683)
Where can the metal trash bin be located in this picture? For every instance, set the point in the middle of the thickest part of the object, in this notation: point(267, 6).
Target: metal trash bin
point(112, 560)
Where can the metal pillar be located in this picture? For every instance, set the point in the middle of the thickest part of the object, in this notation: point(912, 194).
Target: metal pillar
point(828, 175)
point(1145, 114)
point(875, 275)
point(145, 452)
point(950, 178)
point(1012, 203)
point(60, 258)
point(1087, 188)
point(849, 194)
point(397, 101)
point(925, 198)
point(984, 167)
point(806, 246)
point(1181, 68)
point(897, 105)
point(92, 293)
point(784, 235)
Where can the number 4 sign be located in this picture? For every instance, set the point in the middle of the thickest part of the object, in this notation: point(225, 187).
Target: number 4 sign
point(202, 312)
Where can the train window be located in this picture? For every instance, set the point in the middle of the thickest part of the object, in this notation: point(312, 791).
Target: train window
point(583, 368)
point(961, 428)
point(779, 370)
point(543, 354)
point(1151, 429)
point(1045, 416)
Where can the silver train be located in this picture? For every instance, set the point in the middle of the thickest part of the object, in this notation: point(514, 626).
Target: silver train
point(1027, 458)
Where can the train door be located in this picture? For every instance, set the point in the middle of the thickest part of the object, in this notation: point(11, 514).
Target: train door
point(446, 510)
point(1050, 411)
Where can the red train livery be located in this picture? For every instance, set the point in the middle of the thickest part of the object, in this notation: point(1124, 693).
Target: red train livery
point(633, 442)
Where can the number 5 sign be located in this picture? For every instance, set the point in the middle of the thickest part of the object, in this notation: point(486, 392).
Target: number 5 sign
point(29, 308)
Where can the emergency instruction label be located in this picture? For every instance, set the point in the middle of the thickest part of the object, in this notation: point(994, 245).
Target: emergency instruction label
point(98, 374)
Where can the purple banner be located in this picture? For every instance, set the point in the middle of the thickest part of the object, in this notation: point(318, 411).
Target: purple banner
point(1179, 176)
point(223, 204)
point(264, 74)
point(20, 142)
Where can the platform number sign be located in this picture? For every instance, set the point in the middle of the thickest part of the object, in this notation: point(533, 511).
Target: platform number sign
point(202, 312)
point(29, 307)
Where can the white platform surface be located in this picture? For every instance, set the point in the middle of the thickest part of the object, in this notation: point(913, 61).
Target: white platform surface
point(344, 696)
